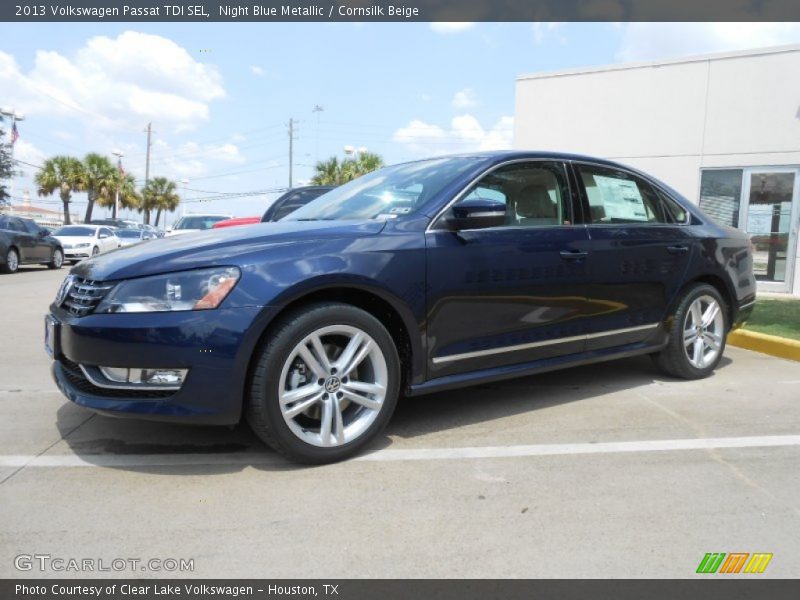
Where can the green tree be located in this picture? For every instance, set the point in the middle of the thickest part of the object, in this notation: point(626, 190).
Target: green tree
point(6, 167)
point(160, 195)
point(333, 172)
point(62, 173)
point(100, 177)
point(128, 196)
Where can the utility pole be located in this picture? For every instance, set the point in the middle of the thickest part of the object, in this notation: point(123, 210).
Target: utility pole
point(146, 217)
point(291, 149)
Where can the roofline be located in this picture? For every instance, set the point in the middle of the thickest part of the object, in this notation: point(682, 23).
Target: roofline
point(626, 66)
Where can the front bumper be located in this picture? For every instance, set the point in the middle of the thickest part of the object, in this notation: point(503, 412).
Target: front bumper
point(215, 346)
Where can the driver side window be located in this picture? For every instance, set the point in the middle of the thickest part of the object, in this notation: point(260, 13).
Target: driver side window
point(535, 194)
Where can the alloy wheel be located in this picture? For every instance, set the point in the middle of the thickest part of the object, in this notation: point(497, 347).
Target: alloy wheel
point(333, 386)
point(12, 260)
point(703, 331)
point(58, 258)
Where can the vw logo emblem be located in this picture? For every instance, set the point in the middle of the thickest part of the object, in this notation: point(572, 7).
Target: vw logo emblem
point(66, 286)
point(332, 385)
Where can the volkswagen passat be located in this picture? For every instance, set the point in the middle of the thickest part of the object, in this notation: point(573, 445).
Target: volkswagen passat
point(416, 278)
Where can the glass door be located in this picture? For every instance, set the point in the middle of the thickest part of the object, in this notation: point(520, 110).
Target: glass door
point(768, 213)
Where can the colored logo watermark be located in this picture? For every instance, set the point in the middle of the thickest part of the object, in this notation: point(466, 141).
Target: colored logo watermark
point(734, 562)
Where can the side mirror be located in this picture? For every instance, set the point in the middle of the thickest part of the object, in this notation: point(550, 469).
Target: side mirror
point(103, 236)
point(43, 233)
point(477, 214)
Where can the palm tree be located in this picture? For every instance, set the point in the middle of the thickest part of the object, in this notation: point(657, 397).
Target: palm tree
point(159, 194)
point(62, 173)
point(100, 177)
point(333, 172)
point(128, 196)
point(328, 172)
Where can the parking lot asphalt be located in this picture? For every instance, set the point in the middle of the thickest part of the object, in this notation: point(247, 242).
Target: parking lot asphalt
point(608, 470)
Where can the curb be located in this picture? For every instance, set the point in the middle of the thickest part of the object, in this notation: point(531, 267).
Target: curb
point(767, 344)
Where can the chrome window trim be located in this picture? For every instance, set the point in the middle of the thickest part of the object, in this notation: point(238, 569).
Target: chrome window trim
point(477, 178)
point(575, 338)
point(640, 176)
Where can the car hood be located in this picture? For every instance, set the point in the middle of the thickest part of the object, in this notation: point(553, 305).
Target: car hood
point(214, 247)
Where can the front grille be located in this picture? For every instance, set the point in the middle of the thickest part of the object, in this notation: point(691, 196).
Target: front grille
point(84, 295)
point(77, 380)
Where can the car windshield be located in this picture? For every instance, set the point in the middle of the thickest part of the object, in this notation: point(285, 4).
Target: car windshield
point(129, 233)
point(75, 231)
point(387, 193)
point(198, 222)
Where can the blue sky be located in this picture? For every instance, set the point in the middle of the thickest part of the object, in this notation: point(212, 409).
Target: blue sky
point(220, 95)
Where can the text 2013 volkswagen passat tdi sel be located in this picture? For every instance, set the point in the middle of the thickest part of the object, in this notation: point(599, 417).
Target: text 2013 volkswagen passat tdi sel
point(419, 277)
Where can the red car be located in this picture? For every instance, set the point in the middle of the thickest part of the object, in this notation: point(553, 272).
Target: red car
point(236, 221)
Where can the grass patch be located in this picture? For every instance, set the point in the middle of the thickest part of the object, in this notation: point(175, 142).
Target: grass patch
point(776, 317)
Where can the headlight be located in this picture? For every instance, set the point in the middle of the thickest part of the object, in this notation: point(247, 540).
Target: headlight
point(82, 245)
point(203, 289)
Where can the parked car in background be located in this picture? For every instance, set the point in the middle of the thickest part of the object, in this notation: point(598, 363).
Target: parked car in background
point(236, 221)
point(151, 230)
point(83, 241)
point(292, 200)
point(195, 223)
point(129, 237)
point(118, 223)
point(414, 278)
point(23, 242)
point(284, 205)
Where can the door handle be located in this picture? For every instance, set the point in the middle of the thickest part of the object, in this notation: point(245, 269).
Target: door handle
point(677, 249)
point(573, 254)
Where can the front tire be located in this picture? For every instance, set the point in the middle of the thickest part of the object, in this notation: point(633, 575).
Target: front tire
point(12, 262)
point(57, 260)
point(95, 251)
point(324, 383)
point(697, 334)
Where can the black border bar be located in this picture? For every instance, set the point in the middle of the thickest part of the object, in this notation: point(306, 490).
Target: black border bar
point(705, 587)
point(397, 10)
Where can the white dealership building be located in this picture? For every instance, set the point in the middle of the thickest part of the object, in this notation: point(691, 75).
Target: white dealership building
point(722, 129)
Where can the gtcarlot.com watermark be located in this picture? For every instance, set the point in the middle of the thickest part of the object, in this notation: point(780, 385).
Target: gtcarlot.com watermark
point(47, 563)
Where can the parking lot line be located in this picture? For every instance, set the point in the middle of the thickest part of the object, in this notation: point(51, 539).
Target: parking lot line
point(167, 460)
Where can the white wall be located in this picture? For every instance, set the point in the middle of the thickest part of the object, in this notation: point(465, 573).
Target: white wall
point(670, 118)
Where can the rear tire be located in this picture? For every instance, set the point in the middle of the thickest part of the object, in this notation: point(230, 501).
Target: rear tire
point(57, 260)
point(12, 261)
point(324, 383)
point(697, 334)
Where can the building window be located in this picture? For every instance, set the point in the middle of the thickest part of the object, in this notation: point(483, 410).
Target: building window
point(721, 194)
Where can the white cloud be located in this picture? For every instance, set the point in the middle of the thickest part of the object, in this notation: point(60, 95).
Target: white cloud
point(652, 41)
point(543, 31)
point(447, 27)
point(465, 134)
point(465, 98)
point(256, 70)
point(116, 83)
point(191, 159)
point(26, 152)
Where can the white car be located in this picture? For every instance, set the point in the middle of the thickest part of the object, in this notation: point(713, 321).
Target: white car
point(83, 241)
point(194, 223)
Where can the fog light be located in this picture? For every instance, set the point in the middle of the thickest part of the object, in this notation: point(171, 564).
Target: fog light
point(145, 377)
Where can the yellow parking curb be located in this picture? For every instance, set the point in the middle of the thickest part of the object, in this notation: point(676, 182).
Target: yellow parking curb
point(768, 344)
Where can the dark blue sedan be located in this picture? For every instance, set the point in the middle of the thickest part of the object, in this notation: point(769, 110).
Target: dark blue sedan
point(416, 278)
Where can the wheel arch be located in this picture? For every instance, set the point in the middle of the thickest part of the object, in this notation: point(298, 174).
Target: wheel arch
point(381, 304)
point(717, 283)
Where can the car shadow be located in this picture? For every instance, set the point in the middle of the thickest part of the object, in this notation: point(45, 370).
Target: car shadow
point(103, 440)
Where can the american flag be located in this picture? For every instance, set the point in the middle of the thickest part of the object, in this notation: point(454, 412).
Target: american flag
point(14, 134)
